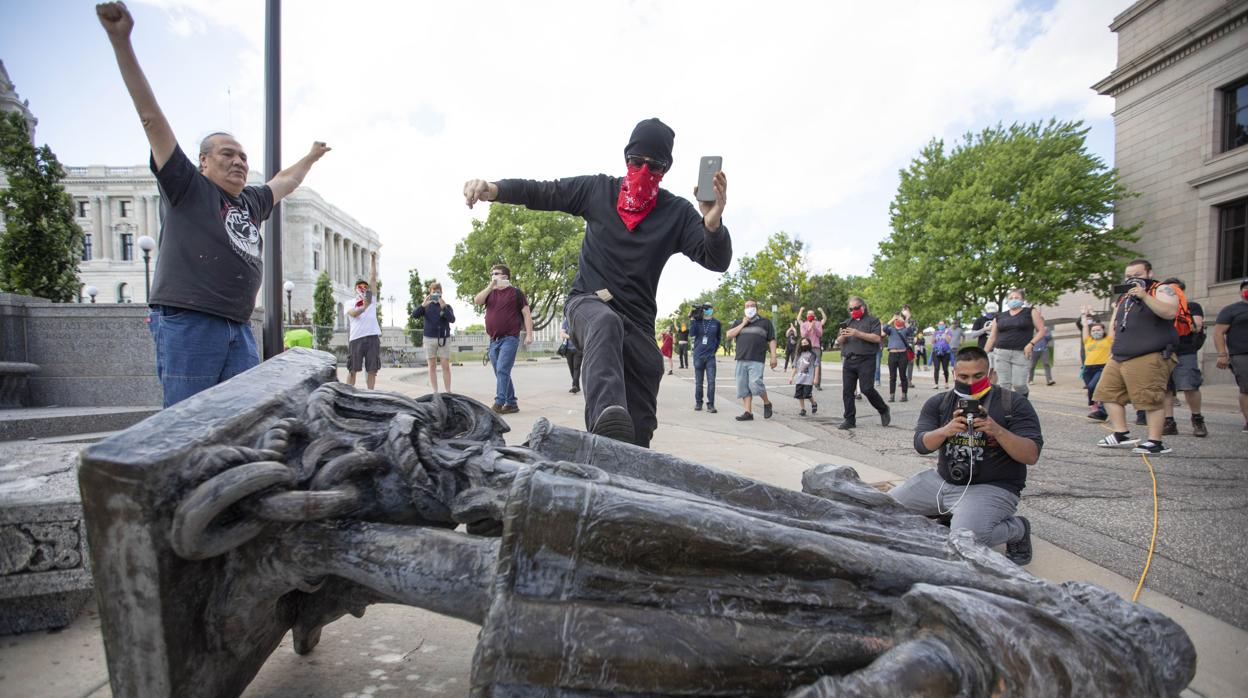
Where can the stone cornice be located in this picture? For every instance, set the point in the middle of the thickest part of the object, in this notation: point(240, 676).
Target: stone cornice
point(1214, 26)
point(1129, 15)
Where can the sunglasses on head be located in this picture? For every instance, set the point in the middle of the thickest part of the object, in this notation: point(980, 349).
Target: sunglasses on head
point(656, 166)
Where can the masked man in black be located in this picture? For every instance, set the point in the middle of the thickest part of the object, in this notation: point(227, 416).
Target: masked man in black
point(632, 227)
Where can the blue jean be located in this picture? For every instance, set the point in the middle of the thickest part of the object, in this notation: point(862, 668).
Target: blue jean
point(1092, 376)
point(502, 358)
point(195, 351)
point(704, 364)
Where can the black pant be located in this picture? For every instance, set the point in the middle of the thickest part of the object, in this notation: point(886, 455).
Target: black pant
point(621, 364)
point(940, 361)
point(858, 371)
point(574, 367)
point(898, 363)
point(683, 351)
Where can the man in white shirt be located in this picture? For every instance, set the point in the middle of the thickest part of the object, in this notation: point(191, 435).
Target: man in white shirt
point(364, 348)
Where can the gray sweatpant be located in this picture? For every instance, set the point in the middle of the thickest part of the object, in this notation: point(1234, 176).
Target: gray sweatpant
point(986, 510)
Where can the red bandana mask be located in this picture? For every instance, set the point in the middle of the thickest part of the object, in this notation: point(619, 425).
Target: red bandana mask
point(857, 314)
point(1244, 293)
point(639, 192)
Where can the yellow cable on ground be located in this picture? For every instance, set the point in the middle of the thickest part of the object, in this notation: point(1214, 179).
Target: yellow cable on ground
point(1153, 544)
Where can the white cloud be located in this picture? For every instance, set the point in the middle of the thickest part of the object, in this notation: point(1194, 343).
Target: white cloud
point(813, 105)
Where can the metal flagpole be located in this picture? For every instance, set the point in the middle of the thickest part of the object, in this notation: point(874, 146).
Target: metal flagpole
point(271, 292)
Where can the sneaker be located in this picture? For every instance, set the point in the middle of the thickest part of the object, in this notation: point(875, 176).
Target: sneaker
point(1116, 440)
point(1019, 551)
point(574, 390)
point(1051, 383)
point(509, 409)
point(1245, 429)
point(1152, 448)
point(1170, 428)
point(766, 410)
point(1098, 415)
point(1198, 426)
point(905, 398)
point(886, 417)
point(697, 408)
point(669, 372)
point(857, 396)
point(711, 409)
point(892, 398)
point(801, 413)
point(849, 424)
point(615, 423)
point(819, 387)
point(1140, 418)
point(813, 407)
point(497, 408)
point(744, 417)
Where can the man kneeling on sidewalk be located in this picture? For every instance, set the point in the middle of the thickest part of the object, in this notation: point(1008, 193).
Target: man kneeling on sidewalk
point(981, 467)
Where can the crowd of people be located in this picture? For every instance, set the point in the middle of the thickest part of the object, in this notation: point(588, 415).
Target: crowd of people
point(982, 427)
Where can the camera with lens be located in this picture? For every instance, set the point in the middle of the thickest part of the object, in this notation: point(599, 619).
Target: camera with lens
point(1120, 289)
point(698, 309)
point(959, 474)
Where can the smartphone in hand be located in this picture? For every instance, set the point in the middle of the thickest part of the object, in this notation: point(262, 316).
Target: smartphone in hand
point(707, 168)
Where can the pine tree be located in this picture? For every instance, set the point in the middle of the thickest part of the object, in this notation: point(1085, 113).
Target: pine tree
point(323, 312)
point(41, 245)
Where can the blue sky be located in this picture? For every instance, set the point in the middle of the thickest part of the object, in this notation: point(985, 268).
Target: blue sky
point(814, 106)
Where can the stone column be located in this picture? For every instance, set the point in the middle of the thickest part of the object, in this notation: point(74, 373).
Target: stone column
point(153, 211)
point(97, 228)
point(106, 228)
point(140, 205)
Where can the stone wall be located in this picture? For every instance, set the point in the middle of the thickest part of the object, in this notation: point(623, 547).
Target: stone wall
point(89, 354)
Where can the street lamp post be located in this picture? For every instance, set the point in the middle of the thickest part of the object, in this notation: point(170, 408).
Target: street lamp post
point(391, 299)
point(289, 287)
point(147, 244)
point(93, 292)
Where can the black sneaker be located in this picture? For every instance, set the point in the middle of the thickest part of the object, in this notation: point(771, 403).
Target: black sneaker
point(1170, 428)
point(574, 390)
point(1151, 448)
point(711, 409)
point(697, 408)
point(886, 417)
point(1198, 426)
point(813, 407)
point(766, 410)
point(847, 425)
point(801, 413)
point(1140, 418)
point(857, 396)
point(905, 398)
point(744, 417)
point(615, 423)
point(1019, 551)
point(1098, 415)
point(892, 398)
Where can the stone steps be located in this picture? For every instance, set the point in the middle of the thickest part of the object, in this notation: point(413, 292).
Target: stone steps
point(46, 422)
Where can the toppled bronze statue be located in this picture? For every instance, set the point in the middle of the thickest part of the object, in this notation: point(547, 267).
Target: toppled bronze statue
point(282, 500)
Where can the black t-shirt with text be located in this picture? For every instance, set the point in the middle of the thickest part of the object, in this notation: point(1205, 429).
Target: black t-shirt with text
point(992, 465)
point(1235, 315)
point(754, 340)
point(210, 253)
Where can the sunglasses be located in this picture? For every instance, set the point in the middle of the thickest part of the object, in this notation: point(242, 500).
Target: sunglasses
point(656, 166)
point(855, 307)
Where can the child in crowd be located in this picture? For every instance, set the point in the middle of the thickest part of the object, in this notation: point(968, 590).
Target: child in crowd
point(804, 374)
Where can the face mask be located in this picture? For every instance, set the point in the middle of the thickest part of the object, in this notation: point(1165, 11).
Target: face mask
point(1014, 303)
point(899, 324)
point(751, 312)
point(1098, 334)
point(857, 313)
point(1244, 293)
point(639, 191)
point(810, 318)
point(707, 313)
point(805, 347)
point(940, 326)
point(973, 391)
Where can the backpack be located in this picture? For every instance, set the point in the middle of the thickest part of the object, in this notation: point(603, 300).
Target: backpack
point(940, 343)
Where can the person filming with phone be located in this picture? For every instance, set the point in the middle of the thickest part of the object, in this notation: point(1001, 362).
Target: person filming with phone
point(632, 227)
point(986, 436)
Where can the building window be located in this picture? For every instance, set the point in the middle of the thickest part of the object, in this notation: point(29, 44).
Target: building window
point(123, 293)
point(316, 260)
point(82, 208)
point(125, 209)
point(1235, 115)
point(127, 247)
point(86, 247)
point(1233, 240)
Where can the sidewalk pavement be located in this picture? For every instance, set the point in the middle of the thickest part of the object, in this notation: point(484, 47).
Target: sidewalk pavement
point(403, 651)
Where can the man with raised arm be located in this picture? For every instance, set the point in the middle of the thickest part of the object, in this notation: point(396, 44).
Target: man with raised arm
point(210, 265)
point(632, 227)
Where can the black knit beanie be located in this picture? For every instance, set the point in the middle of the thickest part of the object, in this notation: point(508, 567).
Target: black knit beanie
point(653, 139)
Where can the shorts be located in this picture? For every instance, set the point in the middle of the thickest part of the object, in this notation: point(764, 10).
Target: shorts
point(1140, 381)
point(1186, 375)
point(1239, 366)
point(750, 379)
point(804, 392)
point(365, 352)
point(437, 349)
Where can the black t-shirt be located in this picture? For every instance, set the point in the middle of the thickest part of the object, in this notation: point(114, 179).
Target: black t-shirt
point(1190, 344)
point(626, 263)
point(754, 340)
point(1235, 315)
point(1139, 331)
point(992, 465)
point(853, 346)
point(977, 326)
point(211, 255)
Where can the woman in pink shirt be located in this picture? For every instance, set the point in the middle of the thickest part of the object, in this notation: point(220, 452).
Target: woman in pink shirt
point(812, 329)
